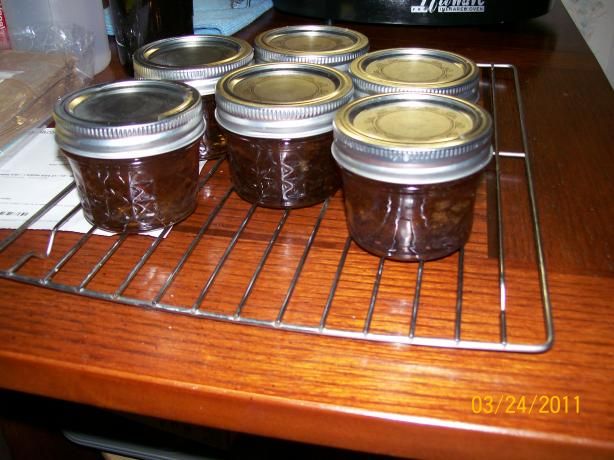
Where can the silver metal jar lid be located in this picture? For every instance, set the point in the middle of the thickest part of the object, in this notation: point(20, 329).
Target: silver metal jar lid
point(316, 44)
point(416, 70)
point(281, 100)
point(199, 60)
point(410, 138)
point(128, 119)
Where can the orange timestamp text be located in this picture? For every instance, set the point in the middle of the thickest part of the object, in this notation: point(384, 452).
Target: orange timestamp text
point(525, 404)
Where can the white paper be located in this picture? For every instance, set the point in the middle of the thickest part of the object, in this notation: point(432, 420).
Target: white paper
point(31, 178)
point(4, 74)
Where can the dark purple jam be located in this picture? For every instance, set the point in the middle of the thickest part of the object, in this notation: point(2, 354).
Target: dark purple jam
point(137, 194)
point(283, 173)
point(213, 144)
point(409, 222)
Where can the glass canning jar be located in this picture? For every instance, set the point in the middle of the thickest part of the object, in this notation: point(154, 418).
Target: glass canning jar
point(200, 61)
point(316, 44)
point(133, 149)
point(278, 123)
point(415, 70)
point(411, 165)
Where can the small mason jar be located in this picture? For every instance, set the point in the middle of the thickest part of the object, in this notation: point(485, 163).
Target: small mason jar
point(411, 165)
point(316, 44)
point(133, 150)
point(200, 61)
point(415, 70)
point(277, 120)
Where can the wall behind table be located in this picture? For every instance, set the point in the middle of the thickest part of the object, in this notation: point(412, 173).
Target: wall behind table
point(594, 19)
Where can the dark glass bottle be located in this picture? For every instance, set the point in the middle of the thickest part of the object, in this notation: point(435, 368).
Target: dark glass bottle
point(137, 22)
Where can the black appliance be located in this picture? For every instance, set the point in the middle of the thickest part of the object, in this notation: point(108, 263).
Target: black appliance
point(418, 12)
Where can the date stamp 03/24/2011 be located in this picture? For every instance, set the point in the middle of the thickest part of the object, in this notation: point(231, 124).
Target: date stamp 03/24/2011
point(525, 404)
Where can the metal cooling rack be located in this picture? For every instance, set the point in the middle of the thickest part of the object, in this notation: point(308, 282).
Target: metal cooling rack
point(199, 309)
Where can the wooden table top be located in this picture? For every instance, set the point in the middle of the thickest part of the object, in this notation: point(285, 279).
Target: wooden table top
point(391, 398)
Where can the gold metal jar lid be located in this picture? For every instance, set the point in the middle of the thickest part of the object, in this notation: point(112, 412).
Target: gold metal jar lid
point(316, 44)
point(279, 100)
point(412, 138)
point(415, 70)
point(199, 60)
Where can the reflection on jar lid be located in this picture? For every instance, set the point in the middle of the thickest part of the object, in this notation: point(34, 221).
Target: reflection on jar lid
point(267, 100)
point(412, 138)
point(416, 70)
point(327, 45)
point(128, 119)
point(199, 60)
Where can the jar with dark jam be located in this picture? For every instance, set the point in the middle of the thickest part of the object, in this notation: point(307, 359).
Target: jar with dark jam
point(415, 70)
point(133, 147)
point(277, 120)
point(316, 44)
point(411, 165)
point(200, 61)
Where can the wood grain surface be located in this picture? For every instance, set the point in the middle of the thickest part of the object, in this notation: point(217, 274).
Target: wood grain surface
point(396, 399)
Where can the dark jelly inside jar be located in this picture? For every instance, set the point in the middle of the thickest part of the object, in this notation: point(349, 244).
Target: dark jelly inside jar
point(283, 173)
point(213, 142)
point(139, 194)
point(409, 222)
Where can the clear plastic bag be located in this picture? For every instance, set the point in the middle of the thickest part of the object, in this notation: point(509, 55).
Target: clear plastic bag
point(71, 40)
point(47, 62)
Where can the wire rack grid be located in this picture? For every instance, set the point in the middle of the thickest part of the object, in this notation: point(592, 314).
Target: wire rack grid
point(356, 299)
